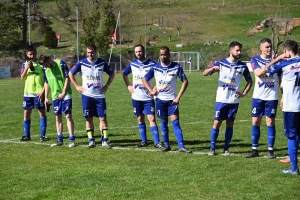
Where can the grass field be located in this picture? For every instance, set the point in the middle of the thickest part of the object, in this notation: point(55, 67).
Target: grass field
point(34, 170)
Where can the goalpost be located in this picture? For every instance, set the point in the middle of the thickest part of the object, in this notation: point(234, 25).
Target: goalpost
point(189, 61)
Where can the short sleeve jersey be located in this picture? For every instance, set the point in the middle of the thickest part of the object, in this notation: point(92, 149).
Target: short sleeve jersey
point(290, 69)
point(266, 86)
point(230, 76)
point(92, 72)
point(166, 78)
point(138, 70)
point(56, 76)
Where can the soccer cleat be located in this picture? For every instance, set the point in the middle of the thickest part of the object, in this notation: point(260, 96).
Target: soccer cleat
point(290, 171)
point(166, 149)
point(158, 145)
point(184, 150)
point(271, 154)
point(57, 143)
point(212, 152)
point(253, 154)
point(106, 145)
point(25, 138)
point(43, 138)
point(92, 144)
point(142, 144)
point(226, 152)
point(72, 143)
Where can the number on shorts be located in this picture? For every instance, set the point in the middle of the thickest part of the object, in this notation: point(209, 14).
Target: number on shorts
point(254, 111)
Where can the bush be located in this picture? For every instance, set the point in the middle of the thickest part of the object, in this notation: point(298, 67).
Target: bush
point(50, 39)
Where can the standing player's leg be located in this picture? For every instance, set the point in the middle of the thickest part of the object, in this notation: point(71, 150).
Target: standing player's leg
point(57, 109)
point(103, 125)
point(162, 113)
point(232, 110)
point(43, 119)
point(88, 110)
point(292, 129)
point(67, 110)
point(28, 105)
point(270, 112)
point(149, 110)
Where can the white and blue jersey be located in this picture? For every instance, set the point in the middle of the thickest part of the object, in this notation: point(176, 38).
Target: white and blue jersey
point(139, 70)
point(290, 69)
point(230, 76)
point(166, 77)
point(266, 86)
point(92, 72)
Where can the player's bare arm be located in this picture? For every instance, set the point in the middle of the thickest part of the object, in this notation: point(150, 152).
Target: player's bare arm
point(184, 85)
point(246, 90)
point(24, 74)
point(108, 83)
point(261, 71)
point(46, 86)
point(210, 70)
point(79, 88)
point(129, 86)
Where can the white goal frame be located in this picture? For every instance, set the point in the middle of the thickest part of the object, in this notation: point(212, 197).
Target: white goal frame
point(189, 61)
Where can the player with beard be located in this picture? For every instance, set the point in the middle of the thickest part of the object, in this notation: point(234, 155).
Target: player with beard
point(93, 92)
point(142, 101)
point(230, 71)
point(264, 99)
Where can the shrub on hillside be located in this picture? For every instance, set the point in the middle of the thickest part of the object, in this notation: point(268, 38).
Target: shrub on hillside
point(50, 39)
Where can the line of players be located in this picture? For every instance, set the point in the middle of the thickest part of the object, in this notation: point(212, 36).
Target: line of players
point(268, 73)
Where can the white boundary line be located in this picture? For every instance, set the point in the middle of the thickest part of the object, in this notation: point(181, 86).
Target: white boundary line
point(13, 141)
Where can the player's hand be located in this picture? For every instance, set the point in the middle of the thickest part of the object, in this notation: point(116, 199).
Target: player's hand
point(80, 89)
point(130, 89)
point(41, 96)
point(154, 91)
point(46, 101)
point(176, 100)
point(61, 96)
point(239, 95)
point(215, 69)
point(104, 89)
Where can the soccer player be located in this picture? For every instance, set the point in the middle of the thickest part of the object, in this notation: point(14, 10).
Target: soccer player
point(32, 74)
point(264, 99)
point(57, 80)
point(142, 101)
point(230, 71)
point(289, 64)
point(93, 92)
point(167, 102)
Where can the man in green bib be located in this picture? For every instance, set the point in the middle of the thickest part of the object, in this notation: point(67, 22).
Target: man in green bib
point(57, 80)
point(32, 74)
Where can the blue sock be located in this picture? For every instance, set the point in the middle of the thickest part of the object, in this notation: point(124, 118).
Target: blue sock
point(71, 137)
point(155, 134)
point(271, 137)
point(27, 124)
point(213, 137)
point(43, 126)
point(142, 130)
point(292, 148)
point(228, 137)
point(255, 135)
point(60, 137)
point(178, 133)
point(165, 132)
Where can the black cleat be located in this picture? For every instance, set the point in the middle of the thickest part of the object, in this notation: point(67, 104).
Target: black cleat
point(158, 145)
point(271, 154)
point(253, 154)
point(142, 144)
point(43, 138)
point(166, 149)
point(25, 138)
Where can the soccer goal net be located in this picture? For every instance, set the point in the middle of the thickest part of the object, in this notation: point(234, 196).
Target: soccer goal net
point(189, 61)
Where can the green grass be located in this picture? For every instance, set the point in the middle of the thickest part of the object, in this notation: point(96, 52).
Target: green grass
point(34, 170)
